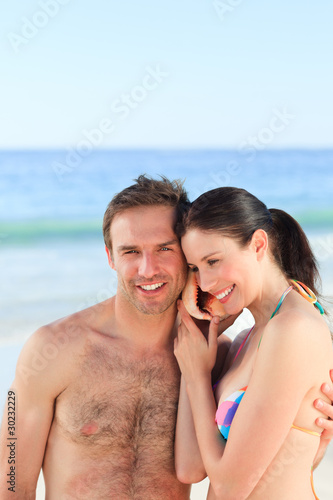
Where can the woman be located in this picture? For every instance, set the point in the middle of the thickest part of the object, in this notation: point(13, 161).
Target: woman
point(248, 256)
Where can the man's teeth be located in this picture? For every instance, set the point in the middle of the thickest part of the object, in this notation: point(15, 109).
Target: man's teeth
point(152, 287)
point(224, 294)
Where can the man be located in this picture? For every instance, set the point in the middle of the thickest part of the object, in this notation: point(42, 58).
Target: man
point(99, 415)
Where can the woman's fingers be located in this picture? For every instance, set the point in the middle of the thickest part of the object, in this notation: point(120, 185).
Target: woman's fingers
point(327, 426)
point(187, 324)
point(326, 409)
point(183, 312)
point(213, 332)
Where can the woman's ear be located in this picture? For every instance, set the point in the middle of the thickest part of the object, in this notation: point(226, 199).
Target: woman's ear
point(260, 243)
point(111, 263)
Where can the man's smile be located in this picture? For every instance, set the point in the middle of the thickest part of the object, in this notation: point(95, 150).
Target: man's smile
point(152, 286)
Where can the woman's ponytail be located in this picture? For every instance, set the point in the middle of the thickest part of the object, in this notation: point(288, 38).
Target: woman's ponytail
point(292, 251)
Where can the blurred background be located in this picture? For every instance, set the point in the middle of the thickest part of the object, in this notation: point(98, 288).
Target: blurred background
point(94, 94)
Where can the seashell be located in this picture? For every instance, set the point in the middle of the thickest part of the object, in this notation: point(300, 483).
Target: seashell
point(199, 304)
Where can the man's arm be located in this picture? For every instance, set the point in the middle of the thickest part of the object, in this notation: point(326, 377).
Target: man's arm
point(327, 425)
point(27, 418)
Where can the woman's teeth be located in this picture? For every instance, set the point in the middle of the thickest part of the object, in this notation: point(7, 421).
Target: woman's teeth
point(225, 293)
point(151, 287)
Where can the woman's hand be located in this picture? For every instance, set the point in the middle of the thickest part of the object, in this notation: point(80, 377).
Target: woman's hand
point(195, 354)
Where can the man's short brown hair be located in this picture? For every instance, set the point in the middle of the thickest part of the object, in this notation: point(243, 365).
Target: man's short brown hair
point(146, 192)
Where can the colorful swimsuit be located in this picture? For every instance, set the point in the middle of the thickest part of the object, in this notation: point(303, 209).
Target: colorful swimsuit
point(227, 409)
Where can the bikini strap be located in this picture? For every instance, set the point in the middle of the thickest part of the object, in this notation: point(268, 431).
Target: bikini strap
point(283, 296)
point(308, 294)
point(239, 350)
point(304, 291)
point(242, 344)
point(312, 484)
point(307, 431)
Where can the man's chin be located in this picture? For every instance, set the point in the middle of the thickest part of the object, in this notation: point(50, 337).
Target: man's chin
point(151, 307)
point(152, 310)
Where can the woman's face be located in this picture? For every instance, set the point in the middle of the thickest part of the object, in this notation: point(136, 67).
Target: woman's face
point(223, 268)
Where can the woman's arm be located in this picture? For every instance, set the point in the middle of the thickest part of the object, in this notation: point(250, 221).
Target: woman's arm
point(279, 383)
point(188, 461)
point(189, 348)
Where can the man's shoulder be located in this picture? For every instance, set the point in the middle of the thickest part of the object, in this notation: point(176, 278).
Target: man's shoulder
point(64, 331)
point(45, 363)
point(52, 356)
point(57, 341)
point(74, 328)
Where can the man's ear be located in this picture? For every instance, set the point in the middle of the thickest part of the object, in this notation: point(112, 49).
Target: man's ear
point(111, 263)
point(260, 243)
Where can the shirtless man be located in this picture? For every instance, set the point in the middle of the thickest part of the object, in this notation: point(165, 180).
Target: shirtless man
point(96, 393)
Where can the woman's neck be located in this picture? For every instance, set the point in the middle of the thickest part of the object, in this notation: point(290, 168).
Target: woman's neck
point(273, 285)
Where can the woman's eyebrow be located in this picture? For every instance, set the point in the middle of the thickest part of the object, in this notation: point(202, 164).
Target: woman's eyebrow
point(210, 254)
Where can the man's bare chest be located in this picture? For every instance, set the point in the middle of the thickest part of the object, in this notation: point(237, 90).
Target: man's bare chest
point(120, 401)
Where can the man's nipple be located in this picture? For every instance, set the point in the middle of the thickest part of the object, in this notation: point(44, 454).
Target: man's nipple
point(89, 429)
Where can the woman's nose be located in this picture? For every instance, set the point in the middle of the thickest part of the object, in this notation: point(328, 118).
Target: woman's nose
point(205, 281)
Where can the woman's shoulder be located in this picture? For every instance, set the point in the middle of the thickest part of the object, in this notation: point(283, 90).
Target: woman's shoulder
point(300, 327)
point(295, 348)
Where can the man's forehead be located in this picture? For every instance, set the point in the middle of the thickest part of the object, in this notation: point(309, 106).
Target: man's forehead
point(153, 222)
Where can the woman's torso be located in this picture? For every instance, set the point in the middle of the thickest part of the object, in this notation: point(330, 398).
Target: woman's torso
point(288, 475)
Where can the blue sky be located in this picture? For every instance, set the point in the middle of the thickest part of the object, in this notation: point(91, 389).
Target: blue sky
point(176, 74)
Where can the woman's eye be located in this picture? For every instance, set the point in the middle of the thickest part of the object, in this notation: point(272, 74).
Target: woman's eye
point(212, 262)
point(194, 269)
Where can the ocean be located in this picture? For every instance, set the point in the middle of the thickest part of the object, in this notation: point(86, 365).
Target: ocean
point(52, 204)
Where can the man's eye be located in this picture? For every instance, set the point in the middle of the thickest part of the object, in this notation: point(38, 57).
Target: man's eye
point(165, 248)
point(131, 251)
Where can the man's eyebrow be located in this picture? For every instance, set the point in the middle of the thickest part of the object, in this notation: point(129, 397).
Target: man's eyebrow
point(169, 243)
point(126, 248)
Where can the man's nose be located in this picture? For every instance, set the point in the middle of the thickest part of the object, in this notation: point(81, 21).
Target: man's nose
point(148, 266)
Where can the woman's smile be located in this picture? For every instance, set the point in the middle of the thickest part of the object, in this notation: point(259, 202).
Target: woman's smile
point(224, 294)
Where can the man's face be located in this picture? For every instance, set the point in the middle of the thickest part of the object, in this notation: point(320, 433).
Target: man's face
point(148, 258)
